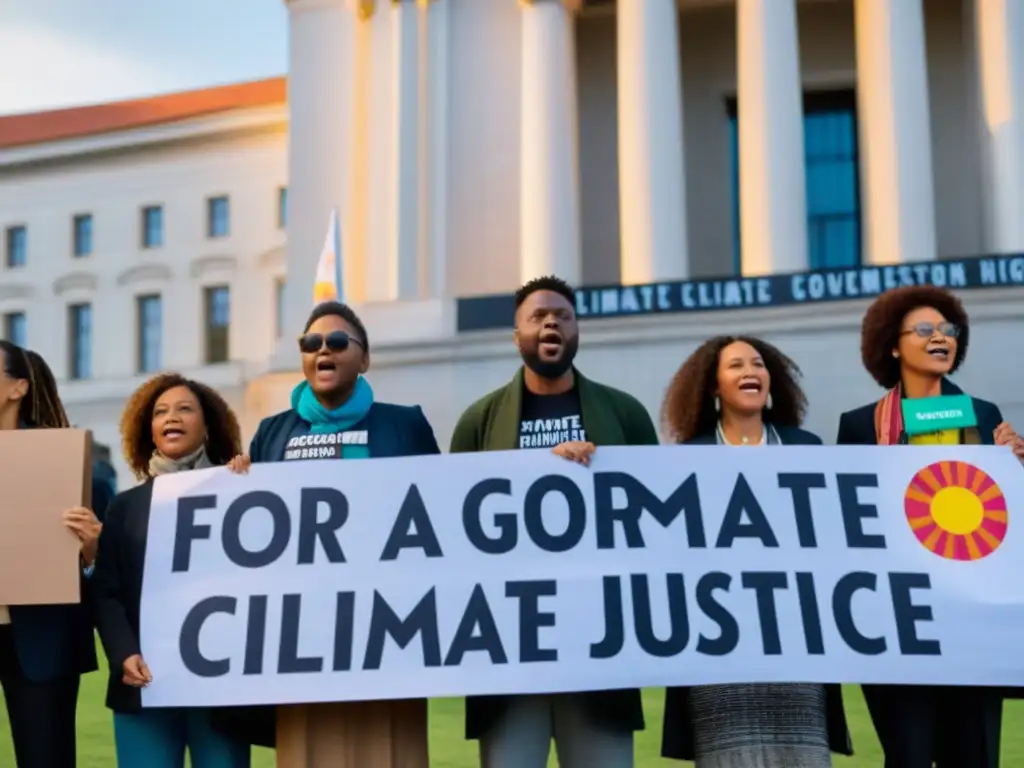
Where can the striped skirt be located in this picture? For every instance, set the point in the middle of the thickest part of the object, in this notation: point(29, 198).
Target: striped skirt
point(764, 725)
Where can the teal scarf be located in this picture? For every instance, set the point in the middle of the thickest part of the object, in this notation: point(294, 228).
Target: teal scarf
point(351, 412)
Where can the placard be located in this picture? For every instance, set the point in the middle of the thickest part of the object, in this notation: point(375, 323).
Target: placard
point(520, 572)
point(43, 473)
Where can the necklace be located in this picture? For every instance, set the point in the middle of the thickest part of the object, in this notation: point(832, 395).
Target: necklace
point(744, 440)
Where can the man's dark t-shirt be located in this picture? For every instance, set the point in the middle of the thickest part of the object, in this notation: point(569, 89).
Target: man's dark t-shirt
point(549, 420)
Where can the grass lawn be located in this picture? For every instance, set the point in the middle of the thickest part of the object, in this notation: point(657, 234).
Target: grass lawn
point(449, 750)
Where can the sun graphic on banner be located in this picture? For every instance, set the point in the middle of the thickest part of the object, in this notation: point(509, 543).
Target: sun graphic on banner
point(956, 510)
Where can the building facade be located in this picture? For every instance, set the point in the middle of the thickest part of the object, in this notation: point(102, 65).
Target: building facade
point(710, 166)
point(478, 143)
point(146, 236)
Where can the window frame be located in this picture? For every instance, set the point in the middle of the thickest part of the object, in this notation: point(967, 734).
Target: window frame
point(815, 102)
point(10, 232)
point(8, 327)
point(211, 343)
point(79, 223)
point(141, 328)
point(212, 203)
point(280, 288)
point(144, 214)
point(77, 351)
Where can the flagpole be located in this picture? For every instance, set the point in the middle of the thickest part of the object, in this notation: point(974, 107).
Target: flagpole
point(337, 258)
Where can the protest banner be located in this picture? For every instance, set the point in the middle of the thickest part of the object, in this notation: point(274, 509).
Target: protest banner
point(520, 572)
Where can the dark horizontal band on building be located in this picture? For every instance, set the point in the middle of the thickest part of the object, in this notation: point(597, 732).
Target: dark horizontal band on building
point(478, 313)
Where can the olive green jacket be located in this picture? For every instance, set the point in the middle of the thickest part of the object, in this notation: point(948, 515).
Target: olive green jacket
point(610, 417)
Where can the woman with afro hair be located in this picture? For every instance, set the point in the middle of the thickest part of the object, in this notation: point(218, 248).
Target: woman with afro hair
point(912, 339)
point(744, 392)
point(170, 424)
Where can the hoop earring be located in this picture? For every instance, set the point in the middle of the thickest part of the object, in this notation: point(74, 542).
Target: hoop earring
point(768, 402)
point(718, 404)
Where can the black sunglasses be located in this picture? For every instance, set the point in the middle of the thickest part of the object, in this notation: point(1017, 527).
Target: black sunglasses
point(927, 330)
point(336, 341)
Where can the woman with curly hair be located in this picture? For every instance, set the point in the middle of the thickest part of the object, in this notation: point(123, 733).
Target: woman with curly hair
point(45, 649)
point(742, 391)
point(912, 338)
point(171, 424)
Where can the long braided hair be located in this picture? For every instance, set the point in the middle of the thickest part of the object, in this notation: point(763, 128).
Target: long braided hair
point(41, 407)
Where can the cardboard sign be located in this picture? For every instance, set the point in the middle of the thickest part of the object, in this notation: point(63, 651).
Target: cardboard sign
point(43, 472)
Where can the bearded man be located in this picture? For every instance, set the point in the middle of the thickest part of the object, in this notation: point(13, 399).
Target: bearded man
point(549, 404)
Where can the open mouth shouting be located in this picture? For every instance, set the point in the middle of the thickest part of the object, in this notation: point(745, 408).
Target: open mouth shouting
point(751, 386)
point(173, 434)
point(326, 368)
point(939, 352)
point(550, 344)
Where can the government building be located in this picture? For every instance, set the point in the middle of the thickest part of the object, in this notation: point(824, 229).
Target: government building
point(695, 167)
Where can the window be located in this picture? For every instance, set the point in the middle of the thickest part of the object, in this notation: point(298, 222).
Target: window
point(218, 217)
point(149, 320)
point(82, 234)
point(16, 328)
point(832, 168)
point(217, 322)
point(80, 340)
point(279, 285)
point(282, 207)
point(833, 190)
point(17, 246)
point(152, 226)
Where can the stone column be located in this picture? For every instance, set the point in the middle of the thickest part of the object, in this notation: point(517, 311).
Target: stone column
point(320, 96)
point(652, 188)
point(898, 190)
point(549, 174)
point(999, 27)
point(773, 205)
point(405, 252)
point(433, 145)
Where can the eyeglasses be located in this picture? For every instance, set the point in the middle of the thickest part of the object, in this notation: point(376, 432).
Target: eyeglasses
point(336, 341)
point(927, 330)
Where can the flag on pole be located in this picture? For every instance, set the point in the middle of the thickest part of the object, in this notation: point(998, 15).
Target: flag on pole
point(328, 286)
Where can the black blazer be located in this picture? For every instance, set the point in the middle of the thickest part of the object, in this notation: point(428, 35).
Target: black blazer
point(117, 588)
point(55, 641)
point(392, 430)
point(678, 741)
point(857, 427)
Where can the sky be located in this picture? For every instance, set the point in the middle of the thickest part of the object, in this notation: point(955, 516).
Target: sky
point(61, 53)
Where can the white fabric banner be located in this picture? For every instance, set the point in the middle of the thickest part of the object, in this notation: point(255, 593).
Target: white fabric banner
point(520, 572)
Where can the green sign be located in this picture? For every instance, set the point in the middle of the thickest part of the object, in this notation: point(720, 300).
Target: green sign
point(936, 414)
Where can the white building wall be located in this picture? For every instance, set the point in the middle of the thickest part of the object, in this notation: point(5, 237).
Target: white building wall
point(249, 166)
point(418, 357)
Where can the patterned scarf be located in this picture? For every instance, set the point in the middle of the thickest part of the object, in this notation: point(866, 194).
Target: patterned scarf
point(889, 422)
point(161, 465)
point(889, 417)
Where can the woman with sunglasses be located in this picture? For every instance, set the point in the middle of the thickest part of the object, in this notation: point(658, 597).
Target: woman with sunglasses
point(333, 415)
point(912, 339)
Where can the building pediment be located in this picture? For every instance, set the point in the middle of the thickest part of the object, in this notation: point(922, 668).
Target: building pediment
point(144, 273)
point(205, 265)
point(273, 259)
point(16, 291)
point(75, 281)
